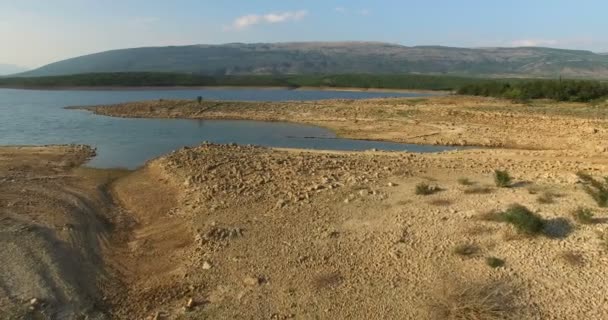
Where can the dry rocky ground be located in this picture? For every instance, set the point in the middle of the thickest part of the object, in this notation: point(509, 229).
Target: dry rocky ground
point(239, 232)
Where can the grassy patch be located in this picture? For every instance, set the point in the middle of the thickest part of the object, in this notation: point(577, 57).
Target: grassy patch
point(583, 216)
point(426, 189)
point(460, 300)
point(597, 189)
point(502, 179)
point(524, 220)
point(494, 262)
point(467, 249)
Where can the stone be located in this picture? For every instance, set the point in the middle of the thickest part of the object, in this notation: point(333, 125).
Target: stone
point(206, 265)
point(253, 281)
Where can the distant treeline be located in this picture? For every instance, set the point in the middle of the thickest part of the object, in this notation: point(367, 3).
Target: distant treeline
point(559, 90)
point(151, 79)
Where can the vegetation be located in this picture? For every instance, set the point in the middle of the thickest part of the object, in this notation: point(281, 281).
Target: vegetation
point(559, 90)
point(597, 189)
point(460, 300)
point(495, 262)
point(583, 216)
point(424, 189)
point(502, 179)
point(466, 249)
point(524, 220)
point(142, 79)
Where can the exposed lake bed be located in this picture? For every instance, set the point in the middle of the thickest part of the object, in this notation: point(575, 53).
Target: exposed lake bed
point(187, 234)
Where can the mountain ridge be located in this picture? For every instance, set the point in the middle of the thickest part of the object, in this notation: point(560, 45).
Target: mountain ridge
point(336, 58)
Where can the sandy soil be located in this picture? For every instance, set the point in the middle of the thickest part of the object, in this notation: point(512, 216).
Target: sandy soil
point(448, 120)
point(235, 232)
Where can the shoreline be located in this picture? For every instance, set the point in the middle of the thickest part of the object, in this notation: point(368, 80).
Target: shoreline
point(169, 88)
point(436, 120)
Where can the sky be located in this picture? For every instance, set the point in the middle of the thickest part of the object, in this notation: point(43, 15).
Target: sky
point(37, 32)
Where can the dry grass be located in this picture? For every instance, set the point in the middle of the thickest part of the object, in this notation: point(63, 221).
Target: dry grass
point(466, 300)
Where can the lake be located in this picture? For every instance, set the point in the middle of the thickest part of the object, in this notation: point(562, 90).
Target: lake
point(38, 117)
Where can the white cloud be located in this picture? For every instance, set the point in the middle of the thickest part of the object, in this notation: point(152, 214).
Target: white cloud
point(364, 12)
point(340, 9)
point(534, 43)
point(250, 20)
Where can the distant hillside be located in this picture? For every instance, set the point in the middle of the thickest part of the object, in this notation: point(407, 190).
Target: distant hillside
point(337, 58)
point(6, 69)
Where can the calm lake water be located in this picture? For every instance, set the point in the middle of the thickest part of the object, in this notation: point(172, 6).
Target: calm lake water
point(37, 117)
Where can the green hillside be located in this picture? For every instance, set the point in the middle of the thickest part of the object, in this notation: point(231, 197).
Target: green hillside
point(337, 58)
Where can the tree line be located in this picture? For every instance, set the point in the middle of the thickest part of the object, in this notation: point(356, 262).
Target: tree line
point(559, 90)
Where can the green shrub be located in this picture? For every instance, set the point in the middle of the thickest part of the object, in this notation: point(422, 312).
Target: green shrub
point(425, 189)
point(524, 220)
point(597, 189)
point(583, 215)
point(495, 262)
point(502, 179)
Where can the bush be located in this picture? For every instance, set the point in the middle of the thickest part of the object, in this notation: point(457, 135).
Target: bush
point(583, 215)
point(502, 179)
point(495, 262)
point(425, 189)
point(524, 220)
point(598, 190)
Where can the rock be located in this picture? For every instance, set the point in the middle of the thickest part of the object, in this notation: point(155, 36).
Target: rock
point(390, 184)
point(363, 192)
point(190, 304)
point(253, 281)
point(206, 265)
point(34, 302)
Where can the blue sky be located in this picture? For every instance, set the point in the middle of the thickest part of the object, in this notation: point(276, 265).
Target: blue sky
point(37, 32)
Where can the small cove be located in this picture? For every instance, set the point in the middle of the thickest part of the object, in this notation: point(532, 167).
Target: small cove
point(38, 117)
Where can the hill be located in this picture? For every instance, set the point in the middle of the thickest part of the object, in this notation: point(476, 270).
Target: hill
point(337, 58)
